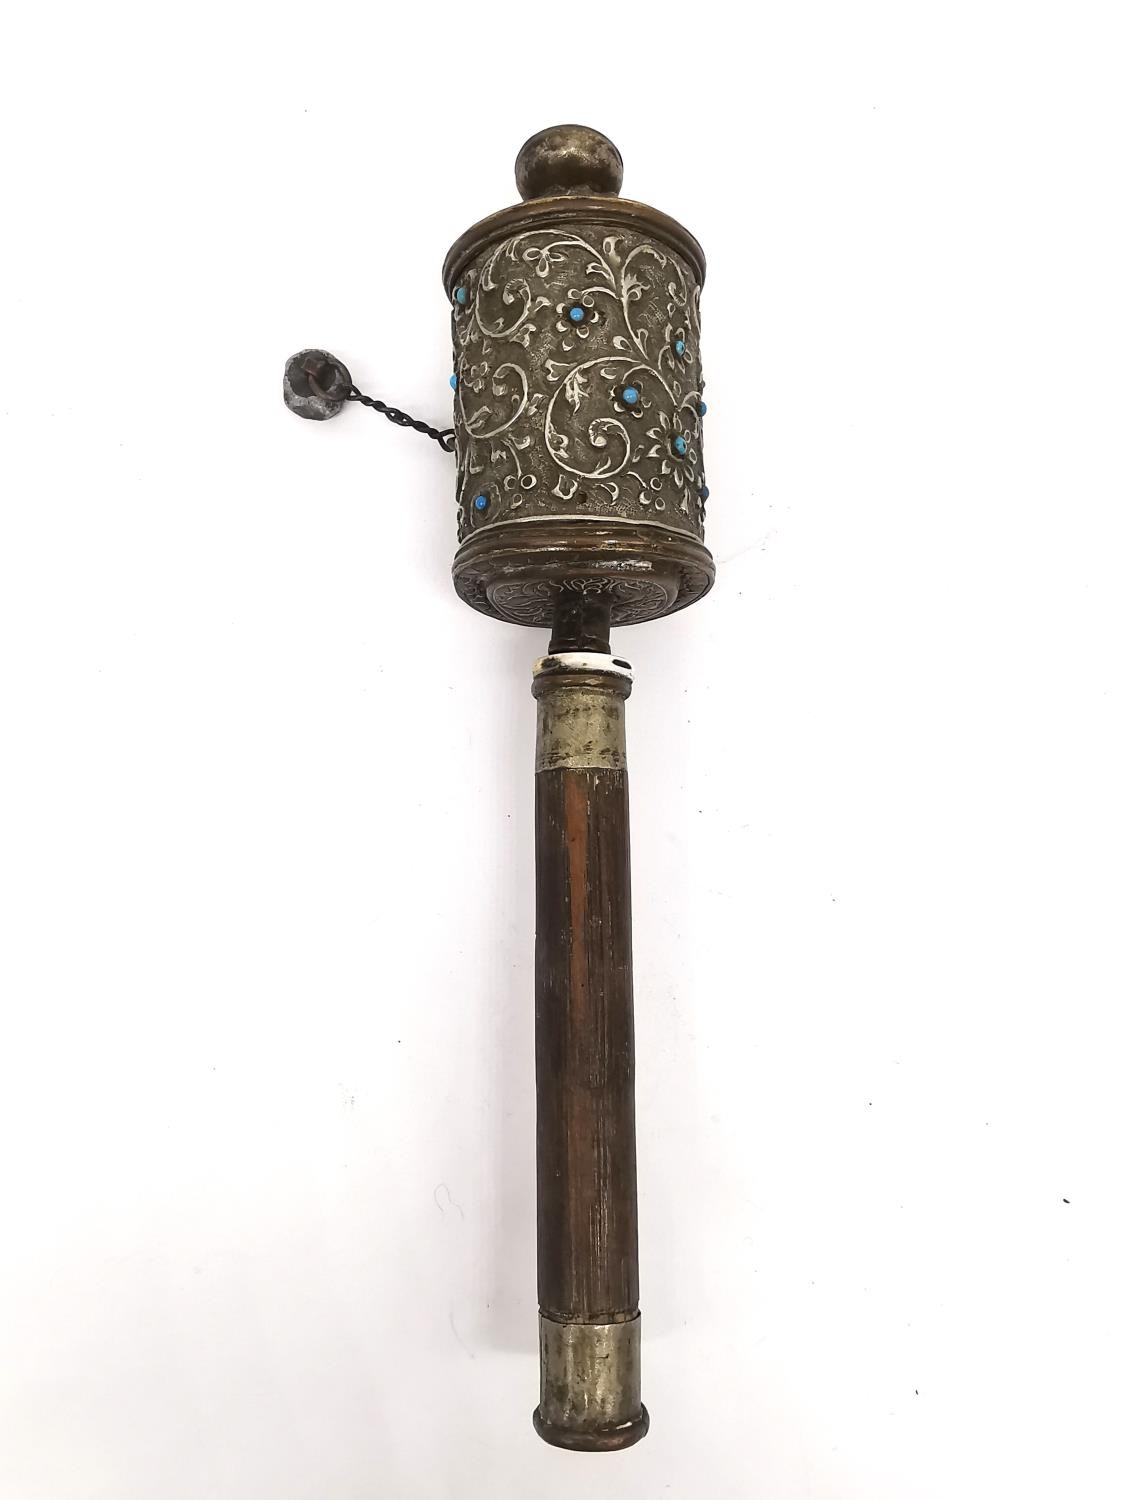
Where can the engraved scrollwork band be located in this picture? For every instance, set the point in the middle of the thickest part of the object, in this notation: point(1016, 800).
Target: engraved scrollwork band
point(533, 602)
point(577, 381)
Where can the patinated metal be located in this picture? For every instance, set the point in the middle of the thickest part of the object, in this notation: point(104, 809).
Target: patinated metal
point(590, 1385)
point(315, 385)
point(581, 721)
point(578, 396)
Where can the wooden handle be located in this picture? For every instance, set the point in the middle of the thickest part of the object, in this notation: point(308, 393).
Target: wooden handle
point(586, 1142)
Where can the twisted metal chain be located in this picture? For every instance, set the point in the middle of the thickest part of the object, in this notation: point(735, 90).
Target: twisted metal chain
point(442, 436)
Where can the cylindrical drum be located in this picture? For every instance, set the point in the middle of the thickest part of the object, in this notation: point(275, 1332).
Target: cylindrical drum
point(578, 395)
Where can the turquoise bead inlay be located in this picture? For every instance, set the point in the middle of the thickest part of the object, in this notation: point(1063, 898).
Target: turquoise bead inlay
point(630, 395)
point(680, 445)
point(703, 492)
point(460, 296)
point(453, 382)
point(481, 502)
point(576, 314)
point(679, 347)
point(703, 408)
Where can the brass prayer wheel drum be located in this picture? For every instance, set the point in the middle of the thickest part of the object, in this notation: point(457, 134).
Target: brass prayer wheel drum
point(578, 419)
point(578, 396)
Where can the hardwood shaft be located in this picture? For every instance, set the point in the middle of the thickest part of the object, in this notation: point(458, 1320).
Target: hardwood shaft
point(584, 1051)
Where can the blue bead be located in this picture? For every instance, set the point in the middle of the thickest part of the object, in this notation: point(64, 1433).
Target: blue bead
point(453, 382)
point(680, 347)
point(630, 395)
point(704, 492)
point(576, 314)
point(481, 502)
point(680, 445)
point(460, 296)
point(703, 408)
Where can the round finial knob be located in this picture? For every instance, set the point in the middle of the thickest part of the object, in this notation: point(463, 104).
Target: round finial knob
point(568, 159)
point(316, 384)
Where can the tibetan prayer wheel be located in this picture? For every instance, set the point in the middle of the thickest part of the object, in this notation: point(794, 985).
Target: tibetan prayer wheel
point(578, 412)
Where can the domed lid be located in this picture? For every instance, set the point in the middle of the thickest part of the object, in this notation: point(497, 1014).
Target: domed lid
point(570, 174)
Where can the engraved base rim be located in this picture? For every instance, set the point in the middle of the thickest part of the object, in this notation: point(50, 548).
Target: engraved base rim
point(516, 573)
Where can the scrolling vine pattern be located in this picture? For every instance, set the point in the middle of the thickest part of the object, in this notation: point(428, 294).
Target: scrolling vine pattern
point(577, 385)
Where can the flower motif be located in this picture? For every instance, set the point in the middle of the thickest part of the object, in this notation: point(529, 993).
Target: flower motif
point(676, 354)
point(576, 316)
point(675, 452)
point(628, 399)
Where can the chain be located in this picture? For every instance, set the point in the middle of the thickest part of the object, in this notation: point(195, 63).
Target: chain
point(443, 437)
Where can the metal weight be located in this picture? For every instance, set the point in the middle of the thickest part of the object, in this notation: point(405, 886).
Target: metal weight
point(315, 385)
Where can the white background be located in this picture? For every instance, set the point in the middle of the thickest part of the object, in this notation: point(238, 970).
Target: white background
point(266, 1091)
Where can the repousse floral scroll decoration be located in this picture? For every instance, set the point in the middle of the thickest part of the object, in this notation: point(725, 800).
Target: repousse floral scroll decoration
point(578, 382)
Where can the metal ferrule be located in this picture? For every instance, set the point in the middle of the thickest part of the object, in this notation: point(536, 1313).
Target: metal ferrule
point(590, 1385)
point(581, 719)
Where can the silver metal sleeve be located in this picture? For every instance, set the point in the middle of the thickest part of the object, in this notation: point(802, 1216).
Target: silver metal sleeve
point(581, 719)
point(590, 1385)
